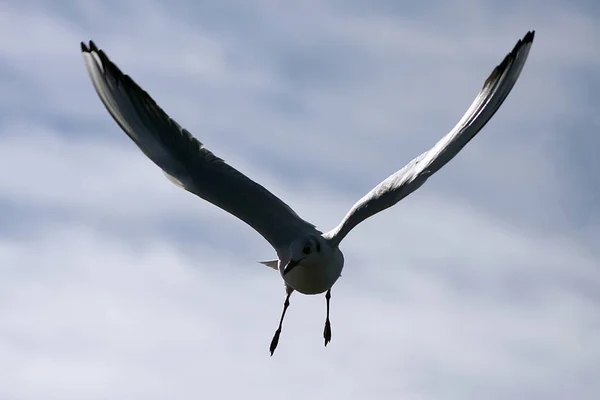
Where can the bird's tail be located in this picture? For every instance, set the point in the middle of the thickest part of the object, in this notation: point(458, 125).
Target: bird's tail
point(272, 263)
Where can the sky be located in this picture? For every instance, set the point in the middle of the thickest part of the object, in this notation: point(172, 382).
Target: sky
point(483, 284)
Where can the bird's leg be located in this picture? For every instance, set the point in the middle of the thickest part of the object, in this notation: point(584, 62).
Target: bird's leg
point(286, 304)
point(327, 330)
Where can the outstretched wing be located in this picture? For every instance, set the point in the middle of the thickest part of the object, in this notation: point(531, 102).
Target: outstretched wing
point(415, 173)
point(184, 159)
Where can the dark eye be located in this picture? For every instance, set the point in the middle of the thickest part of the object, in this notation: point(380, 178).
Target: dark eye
point(306, 250)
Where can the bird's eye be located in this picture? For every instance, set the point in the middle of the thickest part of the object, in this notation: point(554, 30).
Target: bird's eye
point(306, 250)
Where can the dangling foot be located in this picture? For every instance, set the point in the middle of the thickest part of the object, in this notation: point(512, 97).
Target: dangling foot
point(275, 341)
point(286, 304)
point(327, 330)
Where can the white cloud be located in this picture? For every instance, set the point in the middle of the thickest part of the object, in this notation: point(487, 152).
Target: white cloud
point(116, 284)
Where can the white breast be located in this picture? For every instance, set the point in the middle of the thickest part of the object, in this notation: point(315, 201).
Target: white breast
point(316, 278)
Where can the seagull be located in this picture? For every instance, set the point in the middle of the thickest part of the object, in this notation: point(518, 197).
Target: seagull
point(308, 260)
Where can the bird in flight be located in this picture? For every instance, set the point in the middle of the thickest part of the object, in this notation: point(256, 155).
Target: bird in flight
point(309, 261)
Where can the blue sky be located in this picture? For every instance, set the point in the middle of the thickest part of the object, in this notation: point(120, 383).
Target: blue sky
point(485, 283)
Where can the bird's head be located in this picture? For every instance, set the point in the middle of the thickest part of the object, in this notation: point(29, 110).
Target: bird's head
point(308, 251)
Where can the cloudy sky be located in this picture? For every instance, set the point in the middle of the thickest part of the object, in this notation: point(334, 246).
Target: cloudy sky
point(484, 284)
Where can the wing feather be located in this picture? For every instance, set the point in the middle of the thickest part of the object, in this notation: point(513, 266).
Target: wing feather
point(408, 179)
point(184, 159)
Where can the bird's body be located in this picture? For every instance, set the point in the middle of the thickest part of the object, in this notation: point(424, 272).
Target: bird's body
point(309, 261)
point(317, 271)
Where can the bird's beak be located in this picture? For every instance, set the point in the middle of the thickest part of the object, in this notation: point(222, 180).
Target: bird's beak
point(289, 267)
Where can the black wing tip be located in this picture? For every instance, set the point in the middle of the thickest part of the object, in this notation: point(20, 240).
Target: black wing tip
point(92, 47)
point(510, 57)
point(528, 38)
